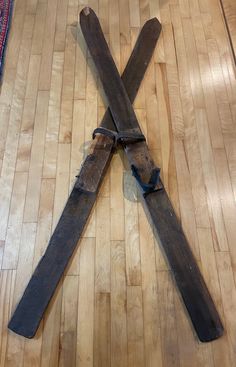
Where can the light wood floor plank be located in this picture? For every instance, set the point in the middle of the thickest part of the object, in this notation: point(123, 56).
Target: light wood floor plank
point(39, 28)
point(227, 285)
point(117, 200)
point(102, 271)
point(191, 143)
point(119, 347)
point(151, 311)
point(135, 327)
point(102, 330)
point(12, 243)
point(69, 66)
point(69, 321)
point(132, 242)
point(53, 123)
point(7, 282)
point(217, 222)
point(60, 32)
point(169, 340)
point(85, 335)
point(48, 44)
point(36, 160)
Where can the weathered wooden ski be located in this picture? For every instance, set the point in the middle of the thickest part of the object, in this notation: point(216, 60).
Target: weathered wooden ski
point(189, 280)
point(42, 285)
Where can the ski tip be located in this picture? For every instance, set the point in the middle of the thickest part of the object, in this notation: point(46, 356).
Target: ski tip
point(86, 11)
point(153, 25)
point(153, 21)
point(87, 16)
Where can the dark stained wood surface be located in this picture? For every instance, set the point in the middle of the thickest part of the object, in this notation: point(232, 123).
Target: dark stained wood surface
point(119, 102)
point(95, 164)
point(42, 285)
point(188, 278)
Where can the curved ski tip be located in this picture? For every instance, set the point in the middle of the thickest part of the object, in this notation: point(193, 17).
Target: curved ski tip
point(88, 15)
point(154, 22)
point(86, 11)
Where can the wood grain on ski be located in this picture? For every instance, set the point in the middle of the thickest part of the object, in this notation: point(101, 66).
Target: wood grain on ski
point(188, 278)
point(42, 285)
point(119, 102)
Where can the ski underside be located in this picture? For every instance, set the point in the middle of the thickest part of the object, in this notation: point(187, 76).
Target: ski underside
point(118, 124)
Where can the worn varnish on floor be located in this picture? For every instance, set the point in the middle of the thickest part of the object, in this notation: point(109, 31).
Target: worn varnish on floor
point(117, 305)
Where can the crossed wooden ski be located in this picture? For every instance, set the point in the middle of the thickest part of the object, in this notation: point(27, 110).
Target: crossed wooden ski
point(123, 127)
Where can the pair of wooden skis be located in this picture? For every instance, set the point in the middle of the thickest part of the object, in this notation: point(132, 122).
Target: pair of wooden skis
point(118, 125)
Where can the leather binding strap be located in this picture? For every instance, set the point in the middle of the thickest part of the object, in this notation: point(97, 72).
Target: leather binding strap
point(126, 137)
point(119, 137)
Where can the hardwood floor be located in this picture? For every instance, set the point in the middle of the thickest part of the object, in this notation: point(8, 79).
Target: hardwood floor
point(229, 13)
point(117, 304)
